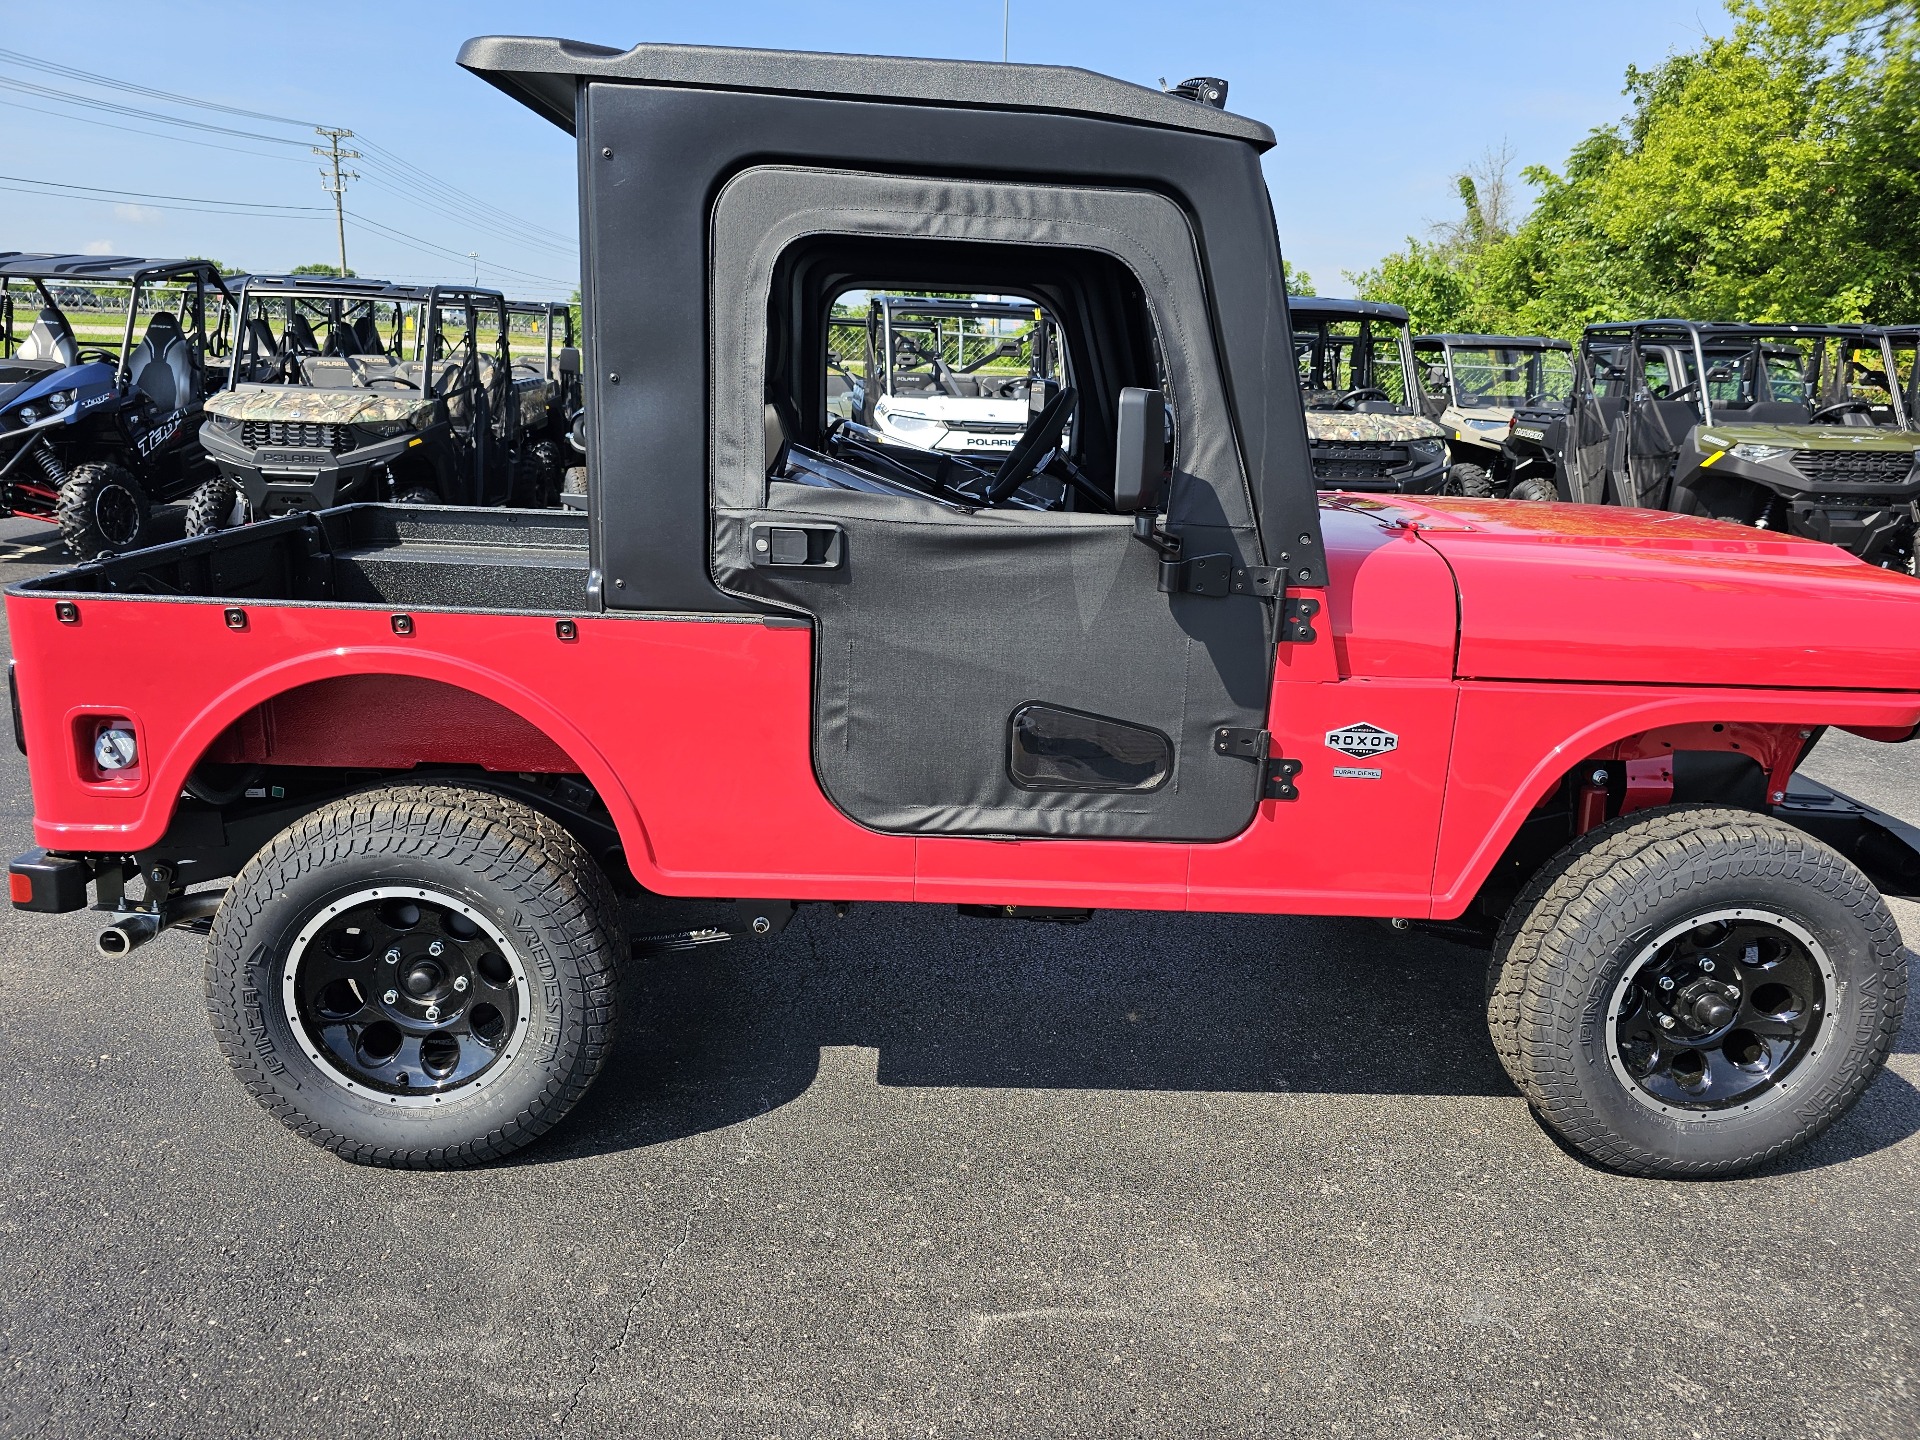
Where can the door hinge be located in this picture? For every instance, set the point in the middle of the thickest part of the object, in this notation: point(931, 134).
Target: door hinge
point(1276, 773)
point(1296, 620)
point(1217, 576)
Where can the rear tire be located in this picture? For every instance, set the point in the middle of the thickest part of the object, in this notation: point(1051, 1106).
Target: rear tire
point(1537, 490)
point(1618, 931)
point(217, 505)
point(420, 495)
point(101, 508)
point(330, 1032)
point(1470, 480)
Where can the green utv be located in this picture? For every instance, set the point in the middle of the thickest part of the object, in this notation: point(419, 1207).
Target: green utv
point(1502, 401)
point(1367, 426)
point(1783, 427)
point(353, 389)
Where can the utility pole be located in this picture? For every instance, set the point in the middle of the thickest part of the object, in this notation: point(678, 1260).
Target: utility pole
point(1006, 27)
point(334, 181)
point(474, 256)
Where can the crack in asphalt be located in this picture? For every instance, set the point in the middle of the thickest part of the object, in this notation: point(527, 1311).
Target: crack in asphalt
point(564, 1416)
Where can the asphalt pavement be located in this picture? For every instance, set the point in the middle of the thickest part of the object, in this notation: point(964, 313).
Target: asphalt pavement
point(906, 1173)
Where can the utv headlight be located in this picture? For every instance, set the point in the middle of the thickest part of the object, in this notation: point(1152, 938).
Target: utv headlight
point(1427, 452)
point(57, 401)
point(1761, 452)
point(914, 424)
point(386, 429)
point(29, 414)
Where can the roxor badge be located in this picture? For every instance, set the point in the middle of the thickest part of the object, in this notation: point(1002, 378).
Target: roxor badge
point(1362, 739)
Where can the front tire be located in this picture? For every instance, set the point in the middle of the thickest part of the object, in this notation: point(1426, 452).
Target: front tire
point(218, 504)
point(101, 508)
point(417, 976)
point(1537, 490)
point(1693, 991)
point(1470, 480)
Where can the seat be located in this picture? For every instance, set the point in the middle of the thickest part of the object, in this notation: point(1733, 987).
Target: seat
point(1775, 412)
point(161, 366)
point(362, 337)
point(300, 338)
point(49, 339)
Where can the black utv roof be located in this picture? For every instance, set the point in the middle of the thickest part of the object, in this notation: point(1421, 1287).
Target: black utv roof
point(28, 265)
point(543, 74)
point(354, 287)
point(944, 305)
point(1513, 342)
point(1707, 330)
point(1354, 309)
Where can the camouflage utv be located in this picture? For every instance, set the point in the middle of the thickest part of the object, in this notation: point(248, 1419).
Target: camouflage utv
point(1783, 427)
point(1366, 423)
point(349, 389)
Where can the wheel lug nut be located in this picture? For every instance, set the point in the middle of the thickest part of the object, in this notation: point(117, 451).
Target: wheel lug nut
point(1666, 1022)
point(1666, 982)
point(436, 948)
point(433, 1012)
point(1707, 965)
point(393, 957)
point(460, 983)
point(392, 997)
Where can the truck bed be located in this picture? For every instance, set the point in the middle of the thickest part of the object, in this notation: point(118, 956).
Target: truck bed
point(398, 557)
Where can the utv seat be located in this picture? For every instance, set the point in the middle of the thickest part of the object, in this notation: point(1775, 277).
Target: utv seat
point(161, 366)
point(49, 339)
point(1775, 412)
point(300, 337)
point(362, 337)
point(329, 372)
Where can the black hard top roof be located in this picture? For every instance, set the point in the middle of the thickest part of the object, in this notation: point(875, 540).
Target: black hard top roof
point(353, 287)
point(946, 305)
point(1511, 342)
point(30, 265)
point(543, 74)
point(1708, 329)
point(1360, 309)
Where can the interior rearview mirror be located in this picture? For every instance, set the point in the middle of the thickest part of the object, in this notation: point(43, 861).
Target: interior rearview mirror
point(568, 360)
point(1139, 451)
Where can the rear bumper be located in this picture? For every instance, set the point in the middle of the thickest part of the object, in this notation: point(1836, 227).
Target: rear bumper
point(1885, 847)
point(47, 883)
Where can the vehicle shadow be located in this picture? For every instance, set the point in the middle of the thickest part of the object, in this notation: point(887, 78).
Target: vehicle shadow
point(722, 1033)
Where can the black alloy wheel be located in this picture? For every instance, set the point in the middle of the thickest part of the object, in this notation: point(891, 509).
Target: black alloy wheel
point(1717, 1012)
point(405, 993)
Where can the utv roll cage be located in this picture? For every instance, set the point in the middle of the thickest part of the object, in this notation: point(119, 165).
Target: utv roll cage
point(886, 332)
point(134, 272)
point(1697, 338)
point(342, 291)
point(1310, 315)
point(1891, 342)
point(1447, 344)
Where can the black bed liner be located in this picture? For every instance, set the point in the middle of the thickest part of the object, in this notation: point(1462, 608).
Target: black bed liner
point(414, 557)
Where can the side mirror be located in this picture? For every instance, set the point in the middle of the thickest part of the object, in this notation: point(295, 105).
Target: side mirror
point(1139, 451)
point(567, 362)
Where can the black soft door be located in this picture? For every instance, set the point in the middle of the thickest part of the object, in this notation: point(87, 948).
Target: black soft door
point(998, 672)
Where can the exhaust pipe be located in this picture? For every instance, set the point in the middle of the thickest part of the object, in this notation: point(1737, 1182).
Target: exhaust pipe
point(137, 928)
point(120, 937)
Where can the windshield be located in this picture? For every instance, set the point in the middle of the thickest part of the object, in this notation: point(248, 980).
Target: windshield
point(1338, 357)
point(1508, 376)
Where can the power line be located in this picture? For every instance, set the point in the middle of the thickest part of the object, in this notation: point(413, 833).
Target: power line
point(336, 186)
point(94, 103)
point(145, 195)
point(150, 134)
point(568, 250)
point(409, 171)
point(420, 244)
point(32, 62)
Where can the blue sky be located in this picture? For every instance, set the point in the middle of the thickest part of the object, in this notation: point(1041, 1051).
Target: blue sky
point(1376, 105)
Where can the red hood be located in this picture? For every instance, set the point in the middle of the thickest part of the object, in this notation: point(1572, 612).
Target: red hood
point(1586, 592)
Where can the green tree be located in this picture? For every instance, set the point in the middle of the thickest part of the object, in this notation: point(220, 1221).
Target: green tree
point(320, 269)
point(1298, 282)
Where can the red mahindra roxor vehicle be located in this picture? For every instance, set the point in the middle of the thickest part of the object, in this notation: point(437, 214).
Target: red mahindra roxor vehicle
point(401, 760)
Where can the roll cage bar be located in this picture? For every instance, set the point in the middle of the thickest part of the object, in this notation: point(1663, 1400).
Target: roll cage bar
point(1886, 339)
point(881, 339)
point(128, 270)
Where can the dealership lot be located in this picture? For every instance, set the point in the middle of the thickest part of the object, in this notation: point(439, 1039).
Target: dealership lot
point(908, 1173)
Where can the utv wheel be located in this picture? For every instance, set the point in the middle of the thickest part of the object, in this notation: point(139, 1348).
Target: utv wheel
point(420, 495)
point(1469, 480)
point(101, 508)
point(419, 976)
point(1536, 489)
point(574, 482)
point(1693, 991)
point(217, 505)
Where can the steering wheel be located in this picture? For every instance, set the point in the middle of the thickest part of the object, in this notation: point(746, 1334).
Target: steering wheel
point(1015, 389)
point(1353, 397)
point(1035, 445)
point(1828, 413)
point(94, 352)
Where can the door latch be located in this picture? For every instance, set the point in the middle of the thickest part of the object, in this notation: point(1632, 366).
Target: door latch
point(804, 547)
